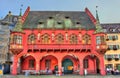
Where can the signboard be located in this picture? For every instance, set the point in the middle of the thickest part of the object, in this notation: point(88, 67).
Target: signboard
point(1, 71)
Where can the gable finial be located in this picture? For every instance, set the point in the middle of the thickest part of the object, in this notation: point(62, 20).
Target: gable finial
point(21, 10)
point(97, 17)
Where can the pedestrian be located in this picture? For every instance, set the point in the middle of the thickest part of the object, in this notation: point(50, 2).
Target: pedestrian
point(85, 72)
point(62, 70)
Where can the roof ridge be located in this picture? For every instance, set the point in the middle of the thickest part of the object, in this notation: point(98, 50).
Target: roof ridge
point(110, 23)
point(54, 11)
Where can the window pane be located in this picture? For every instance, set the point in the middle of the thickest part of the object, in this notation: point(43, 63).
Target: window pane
point(98, 41)
point(31, 63)
point(47, 63)
point(85, 63)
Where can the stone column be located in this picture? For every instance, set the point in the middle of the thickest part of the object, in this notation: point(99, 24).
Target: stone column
point(102, 67)
point(37, 66)
point(81, 68)
point(60, 67)
point(14, 66)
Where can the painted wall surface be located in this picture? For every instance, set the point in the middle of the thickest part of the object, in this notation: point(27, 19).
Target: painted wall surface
point(58, 56)
point(25, 63)
point(113, 62)
point(40, 51)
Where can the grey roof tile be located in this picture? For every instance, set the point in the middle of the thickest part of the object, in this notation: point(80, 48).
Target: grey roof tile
point(34, 17)
point(111, 27)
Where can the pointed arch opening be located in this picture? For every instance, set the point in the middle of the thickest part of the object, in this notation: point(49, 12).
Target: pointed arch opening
point(86, 39)
point(45, 39)
point(48, 64)
point(59, 39)
point(91, 63)
point(70, 64)
point(73, 39)
point(27, 63)
point(31, 39)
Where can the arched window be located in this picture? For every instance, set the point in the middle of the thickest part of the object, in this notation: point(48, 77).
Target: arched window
point(17, 39)
point(31, 39)
point(73, 39)
point(86, 39)
point(45, 39)
point(59, 39)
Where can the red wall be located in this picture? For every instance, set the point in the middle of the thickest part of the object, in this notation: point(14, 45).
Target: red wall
point(54, 62)
point(25, 63)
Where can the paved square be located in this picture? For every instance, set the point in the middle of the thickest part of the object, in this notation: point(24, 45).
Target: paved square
point(65, 76)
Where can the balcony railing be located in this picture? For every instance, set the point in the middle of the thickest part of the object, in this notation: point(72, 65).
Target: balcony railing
point(73, 47)
point(16, 46)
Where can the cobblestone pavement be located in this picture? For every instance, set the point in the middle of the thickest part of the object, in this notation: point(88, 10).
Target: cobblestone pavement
point(65, 76)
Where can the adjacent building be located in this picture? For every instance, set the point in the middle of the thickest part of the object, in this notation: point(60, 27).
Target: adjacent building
point(112, 55)
point(46, 42)
point(5, 25)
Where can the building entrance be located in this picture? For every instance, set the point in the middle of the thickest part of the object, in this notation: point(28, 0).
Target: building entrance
point(67, 66)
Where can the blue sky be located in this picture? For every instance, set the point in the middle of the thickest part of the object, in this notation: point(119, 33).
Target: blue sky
point(108, 10)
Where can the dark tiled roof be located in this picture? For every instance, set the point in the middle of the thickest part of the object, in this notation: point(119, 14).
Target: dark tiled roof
point(12, 19)
point(76, 16)
point(111, 27)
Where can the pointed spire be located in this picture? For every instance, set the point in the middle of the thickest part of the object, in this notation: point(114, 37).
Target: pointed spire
point(97, 17)
point(18, 26)
point(21, 10)
point(98, 26)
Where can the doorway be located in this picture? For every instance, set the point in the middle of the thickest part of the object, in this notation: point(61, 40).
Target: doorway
point(67, 66)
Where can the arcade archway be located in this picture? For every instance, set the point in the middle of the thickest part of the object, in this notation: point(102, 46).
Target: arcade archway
point(49, 63)
point(91, 63)
point(27, 63)
point(70, 64)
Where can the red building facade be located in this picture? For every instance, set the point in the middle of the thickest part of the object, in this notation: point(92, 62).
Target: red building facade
point(56, 41)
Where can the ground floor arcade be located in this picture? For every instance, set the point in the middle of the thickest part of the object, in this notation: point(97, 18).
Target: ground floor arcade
point(50, 63)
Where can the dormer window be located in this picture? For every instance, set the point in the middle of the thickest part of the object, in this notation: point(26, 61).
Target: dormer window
point(50, 17)
point(40, 22)
point(113, 30)
point(77, 23)
point(50, 22)
point(119, 29)
point(67, 17)
point(59, 23)
point(67, 22)
point(15, 19)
